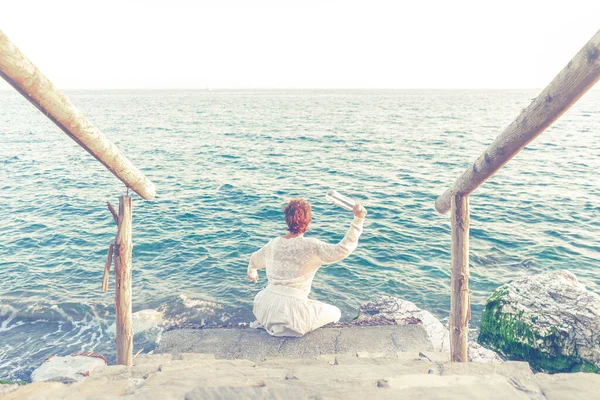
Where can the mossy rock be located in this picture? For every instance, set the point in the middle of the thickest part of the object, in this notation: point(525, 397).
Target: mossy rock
point(520, 322)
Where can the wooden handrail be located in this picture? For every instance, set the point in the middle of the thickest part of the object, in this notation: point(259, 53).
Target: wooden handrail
point(24, 76)
point(580, 74)
point(20, 73)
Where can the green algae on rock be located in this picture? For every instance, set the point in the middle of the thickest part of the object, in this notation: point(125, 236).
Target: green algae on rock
point(551, 320)
point(9, 382)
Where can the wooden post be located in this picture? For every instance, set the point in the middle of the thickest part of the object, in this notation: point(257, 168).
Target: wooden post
point(24, 76)
point(580, 74)
point(460, 307)
point(122, 258)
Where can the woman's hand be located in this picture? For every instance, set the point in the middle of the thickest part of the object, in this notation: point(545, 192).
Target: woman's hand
point(253, 277)
point(359, 210)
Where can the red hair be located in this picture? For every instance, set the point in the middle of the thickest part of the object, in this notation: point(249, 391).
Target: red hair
point(297, 215)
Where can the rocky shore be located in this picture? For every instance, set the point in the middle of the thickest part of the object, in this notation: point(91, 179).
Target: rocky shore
point(345, 362)
point(391, 349)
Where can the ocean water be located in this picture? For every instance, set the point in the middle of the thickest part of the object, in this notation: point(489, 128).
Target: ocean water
point(225, 163)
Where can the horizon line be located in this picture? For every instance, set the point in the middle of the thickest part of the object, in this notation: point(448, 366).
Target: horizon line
point(293, 88)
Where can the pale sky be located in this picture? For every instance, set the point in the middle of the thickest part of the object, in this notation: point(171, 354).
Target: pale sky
point(305, 44)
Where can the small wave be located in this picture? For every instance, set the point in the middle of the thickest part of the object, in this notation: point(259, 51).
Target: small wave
point(142, 321)
point(11, 160)
point(200, 304)
point(69, 327)
point(11, 312)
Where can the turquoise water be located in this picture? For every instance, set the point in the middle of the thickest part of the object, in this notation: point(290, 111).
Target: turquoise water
point(224, 164)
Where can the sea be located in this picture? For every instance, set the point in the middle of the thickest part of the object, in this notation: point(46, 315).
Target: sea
point(225, 163)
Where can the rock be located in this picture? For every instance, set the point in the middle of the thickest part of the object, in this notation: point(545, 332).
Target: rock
point(479, 354)
point(386, 310)
point(550, 320)
point(69, 369)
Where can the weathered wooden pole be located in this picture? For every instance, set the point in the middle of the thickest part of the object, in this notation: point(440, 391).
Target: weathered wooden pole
point(123, 248)
point(24, 76)
point(460, 307)
point(580, 74)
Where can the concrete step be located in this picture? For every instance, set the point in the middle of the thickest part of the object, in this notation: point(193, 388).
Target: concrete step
point(355, 375)
point(258, 345)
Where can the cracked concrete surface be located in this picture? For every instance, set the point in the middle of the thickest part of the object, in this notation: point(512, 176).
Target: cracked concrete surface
point(258, 345)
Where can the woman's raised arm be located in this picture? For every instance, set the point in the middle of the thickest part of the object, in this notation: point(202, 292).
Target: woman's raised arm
point(330, 253)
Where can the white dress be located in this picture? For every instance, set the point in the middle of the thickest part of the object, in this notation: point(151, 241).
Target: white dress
point(283, 307)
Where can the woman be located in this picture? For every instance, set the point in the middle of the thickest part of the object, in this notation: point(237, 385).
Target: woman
point(283, 307)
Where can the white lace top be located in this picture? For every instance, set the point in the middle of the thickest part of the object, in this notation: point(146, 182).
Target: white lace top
point(294, 262)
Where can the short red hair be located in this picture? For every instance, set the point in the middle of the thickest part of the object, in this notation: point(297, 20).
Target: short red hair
point(298, 215)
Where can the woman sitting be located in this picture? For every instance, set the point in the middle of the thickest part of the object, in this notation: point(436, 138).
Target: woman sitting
point(283, 307)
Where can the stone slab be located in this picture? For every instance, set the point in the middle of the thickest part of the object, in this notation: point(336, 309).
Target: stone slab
point(258, 345)
point(575, 386)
